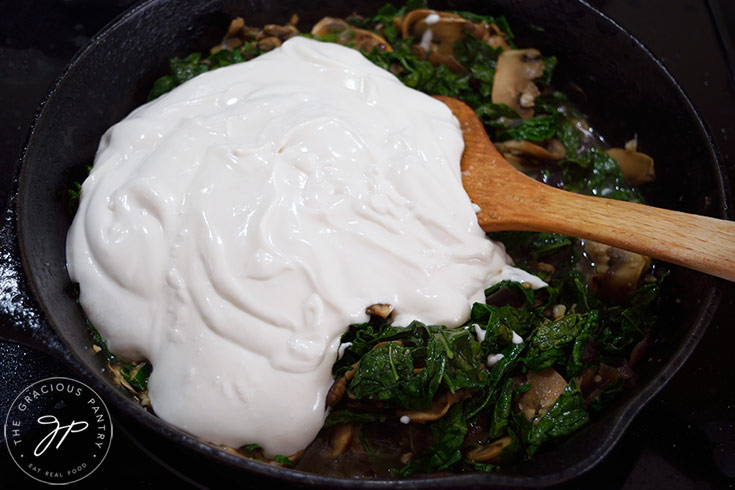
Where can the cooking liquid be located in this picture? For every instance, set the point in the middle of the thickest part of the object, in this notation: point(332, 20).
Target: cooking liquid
point(232, 229)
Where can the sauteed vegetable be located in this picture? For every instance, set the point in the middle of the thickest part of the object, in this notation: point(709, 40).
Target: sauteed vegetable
point(529, 367)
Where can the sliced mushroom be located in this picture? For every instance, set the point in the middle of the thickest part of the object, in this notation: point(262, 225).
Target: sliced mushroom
point(558, 311)
point(525, 155)
point(340, 440)
point(414, 22)
point(337, 390)
point(490, 34)
point(361, 39)
point(513, 84)
point(637, 167)
point(546, 386)
point(269, 43)
point(295, 457)
point(617, 272)
point(237, 32)
point(440, 405)
point(594, 381)
point(351, 373)
point(348, 376)
point(379, 309)
point(269, 37)
point(435, 34)
point(490, 453)
point(283, 33)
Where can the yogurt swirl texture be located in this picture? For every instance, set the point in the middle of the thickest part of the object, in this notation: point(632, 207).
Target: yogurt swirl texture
point(230, 230)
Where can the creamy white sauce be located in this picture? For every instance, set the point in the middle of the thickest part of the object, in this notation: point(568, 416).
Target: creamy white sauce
point(342, 348)
point(230, 231)
point(493, 359)
point(428, 34)
point(479, 332)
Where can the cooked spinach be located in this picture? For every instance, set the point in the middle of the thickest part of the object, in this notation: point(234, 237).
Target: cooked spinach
point(186, 68)
point(406, 367)
point(73, 194)
point(99, 342)
point(347, 416)
point(502, 411)
point(250, 448)
point(540, 128)
point(448, 360)
point(449, 433)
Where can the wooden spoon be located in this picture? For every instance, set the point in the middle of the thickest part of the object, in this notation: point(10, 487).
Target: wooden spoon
point(509, 200)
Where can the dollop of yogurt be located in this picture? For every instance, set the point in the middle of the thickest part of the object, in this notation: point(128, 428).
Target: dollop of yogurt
point(231, 230)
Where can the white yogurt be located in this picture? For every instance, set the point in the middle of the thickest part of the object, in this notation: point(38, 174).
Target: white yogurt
point(230, 231)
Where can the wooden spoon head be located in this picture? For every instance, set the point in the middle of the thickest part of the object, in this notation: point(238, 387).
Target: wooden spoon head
point(491, 182)
point(509, 200)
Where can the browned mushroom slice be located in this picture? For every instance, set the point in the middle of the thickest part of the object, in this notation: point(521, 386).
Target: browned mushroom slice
point(269, 43)
point(237, 32)
point(617, 272)
point(513, 84)
point(283, 33)
point(329, 25)
point(339, 387)
point(524, 155)
point(546, 386)
point(379, 309)
point(435, 34)
point(490, 34)
point(294, 458)
point(490, 453)
point(340, 440)
point(337, 390)
point(440, 405)
point(637, 167)
point(361, 39)
point(269, 37)
point(594, 381)
point(414, 22)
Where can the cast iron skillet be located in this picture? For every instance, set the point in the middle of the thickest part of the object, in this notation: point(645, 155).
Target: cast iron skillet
point(610, 74)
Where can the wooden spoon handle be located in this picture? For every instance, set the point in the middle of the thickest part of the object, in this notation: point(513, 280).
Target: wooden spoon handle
point(698, 242)
point(510, 200)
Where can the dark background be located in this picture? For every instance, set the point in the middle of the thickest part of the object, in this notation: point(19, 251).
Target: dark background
point(684, 439)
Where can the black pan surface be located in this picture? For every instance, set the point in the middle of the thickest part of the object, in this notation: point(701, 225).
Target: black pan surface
point(126, 59)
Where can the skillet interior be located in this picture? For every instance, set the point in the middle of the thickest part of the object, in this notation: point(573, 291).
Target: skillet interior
point(625, 90)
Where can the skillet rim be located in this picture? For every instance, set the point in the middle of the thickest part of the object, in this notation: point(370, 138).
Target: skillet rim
point(624, 418)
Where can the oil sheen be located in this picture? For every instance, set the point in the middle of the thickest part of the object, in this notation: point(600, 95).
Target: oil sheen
point(231, 230)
